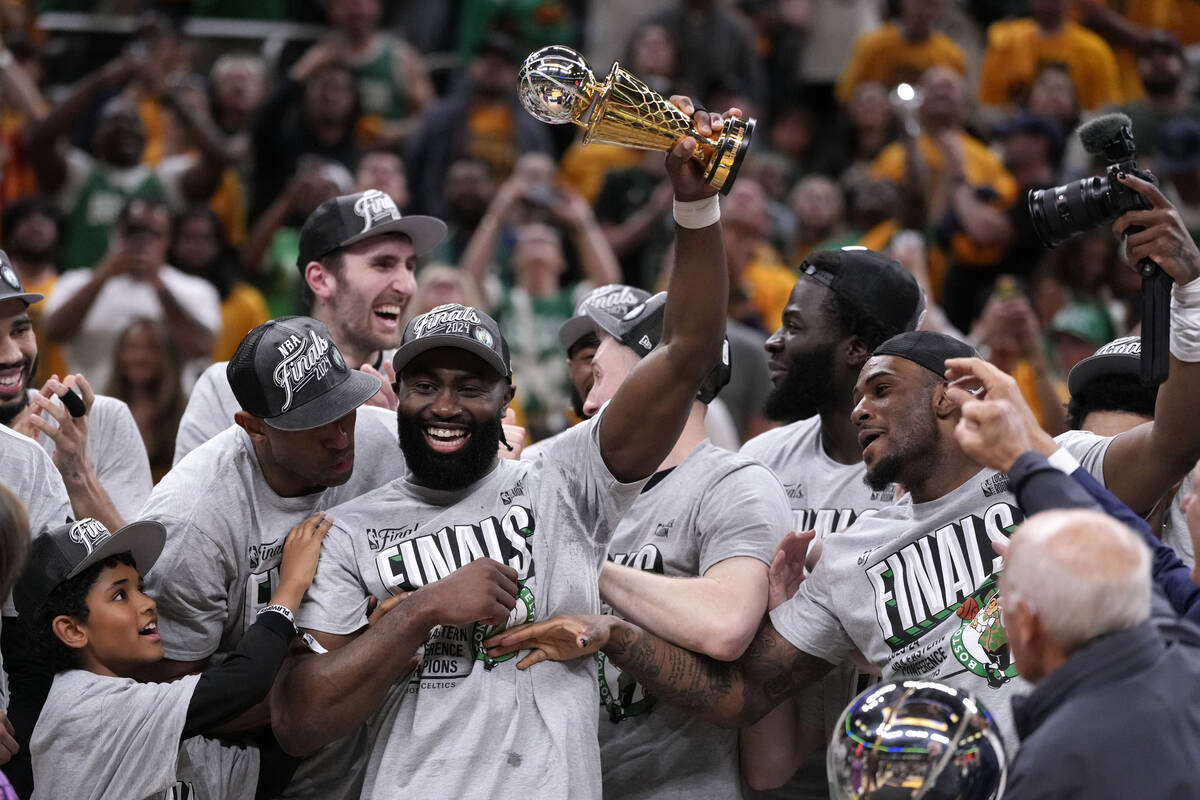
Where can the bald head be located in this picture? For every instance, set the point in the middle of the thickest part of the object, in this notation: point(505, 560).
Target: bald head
point(1082, 574)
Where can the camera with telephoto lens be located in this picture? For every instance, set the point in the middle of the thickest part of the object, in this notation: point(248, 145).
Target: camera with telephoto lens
point(1065, 211)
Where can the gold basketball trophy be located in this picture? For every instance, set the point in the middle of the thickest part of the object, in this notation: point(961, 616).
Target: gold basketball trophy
point(557, 86)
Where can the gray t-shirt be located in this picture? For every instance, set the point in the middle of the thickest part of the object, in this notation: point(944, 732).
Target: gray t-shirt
point(225, 533)
point(139, 726)
point(914, 588)
point(466, 724)
point(117, 453)
point(825, 496)
point(28, 472)
point(1175, 531)
point(713, 506)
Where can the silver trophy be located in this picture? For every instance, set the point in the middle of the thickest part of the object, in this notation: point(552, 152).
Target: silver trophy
point(918, 740)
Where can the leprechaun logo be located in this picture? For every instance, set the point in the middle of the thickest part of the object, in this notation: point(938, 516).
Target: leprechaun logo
point(948, 573)
point(980, 644)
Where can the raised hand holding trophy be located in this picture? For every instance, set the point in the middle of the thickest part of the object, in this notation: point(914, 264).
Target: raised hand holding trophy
point(556, 85)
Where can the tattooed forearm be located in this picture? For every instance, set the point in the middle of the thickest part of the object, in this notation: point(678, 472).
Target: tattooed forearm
point(731, 694)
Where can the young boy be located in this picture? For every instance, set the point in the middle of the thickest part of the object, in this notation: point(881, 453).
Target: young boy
point(101, 734)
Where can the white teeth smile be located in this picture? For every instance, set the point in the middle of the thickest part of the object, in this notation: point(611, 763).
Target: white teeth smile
point(391, 311)
point(151, 628)
point(10, 380)
point(445, 433)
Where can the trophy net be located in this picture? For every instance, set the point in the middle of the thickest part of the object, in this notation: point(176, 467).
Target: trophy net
point(630, 113)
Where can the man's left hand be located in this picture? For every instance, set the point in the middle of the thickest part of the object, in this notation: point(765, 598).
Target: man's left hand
point(1164, 239)
point(687, 176)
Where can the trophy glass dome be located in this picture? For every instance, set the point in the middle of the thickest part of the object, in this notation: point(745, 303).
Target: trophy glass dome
point(552, 84)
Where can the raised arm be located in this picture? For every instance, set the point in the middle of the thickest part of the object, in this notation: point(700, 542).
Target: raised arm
point(729, 694)
point(647, 414)
point(1143, 463)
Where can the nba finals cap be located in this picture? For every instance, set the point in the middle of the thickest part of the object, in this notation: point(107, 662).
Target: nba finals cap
point(289, 373)
point(1119, 357)
point(640, 329)
point(615, 298)
point(61, 553)
point(875, 284)
point(454, 325)
point(10, 284)
point(927, 348)
point(342, 221)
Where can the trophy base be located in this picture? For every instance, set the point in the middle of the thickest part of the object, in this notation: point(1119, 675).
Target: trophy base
point(731, 151)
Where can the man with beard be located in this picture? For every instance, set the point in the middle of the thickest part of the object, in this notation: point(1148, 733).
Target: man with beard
point(357, 259)
point(300, 445)
point(464, 722)
point(892, 585)
point(1162, 65)
point(845, 304)
point(91, 189)
point(98, 451)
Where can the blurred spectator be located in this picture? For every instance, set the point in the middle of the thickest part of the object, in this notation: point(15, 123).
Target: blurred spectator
point(199, 248)
point(793, 133)
point(956, 190)
point(1031, 146)
point(634, 211)
point(902, 50)
point(238, 88)
point(713, 46)
point(820, 210)
point(21, 107)
point(1178, 164)
point(382, 169)
point(1017, 48)
point(1009, 335)
point(33, 229)
point(273, 244)
point(652, 58)
point(168, 55)
point(393, 83)
point(530, 24)
point(146, 376)
point(606, 26)
point(1128, 28)
point(312, 111)
point(438, 285)
point(818, 40)
point(91, 189)
point(864, 128)
point(759, 283)
point(1076, 331)
point(1163, 68)
point(468, 193)
point(89, 308)
point(481, 119)
point(1053, 95)
point(773, 172)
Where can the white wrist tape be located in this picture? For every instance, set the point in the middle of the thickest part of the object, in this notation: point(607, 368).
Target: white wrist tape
point(697, 213)
point(1185, 322)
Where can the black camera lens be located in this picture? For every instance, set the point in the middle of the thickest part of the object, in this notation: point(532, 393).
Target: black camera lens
point(1064, 211)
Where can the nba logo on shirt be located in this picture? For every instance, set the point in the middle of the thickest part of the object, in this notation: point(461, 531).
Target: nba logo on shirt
point(89, 533)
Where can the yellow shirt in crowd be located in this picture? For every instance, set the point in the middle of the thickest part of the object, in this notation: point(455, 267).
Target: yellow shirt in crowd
point(1017, 50)
point(1147, 14)
point(886, 56)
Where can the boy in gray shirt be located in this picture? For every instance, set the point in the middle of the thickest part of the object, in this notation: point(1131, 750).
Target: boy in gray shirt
point(94, 628)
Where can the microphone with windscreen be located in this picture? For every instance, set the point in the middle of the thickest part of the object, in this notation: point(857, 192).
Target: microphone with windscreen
point(1065, 211)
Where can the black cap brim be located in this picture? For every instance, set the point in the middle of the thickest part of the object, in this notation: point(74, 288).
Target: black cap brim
point(408, 352)
point(426, 233)
point(599, 318)
point(143, 540)
point(358, 388)
point(1102, 366)
point(575, 329)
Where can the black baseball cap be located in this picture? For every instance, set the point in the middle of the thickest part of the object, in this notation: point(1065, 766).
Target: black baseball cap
point(342, 221)
point(640, 329)
point(289, 373)
point(10, 284)
point(1119, 357)
point(876, 284)
point(61, 553)
point(454, 325)
point(927, 348)
point(615, 298)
